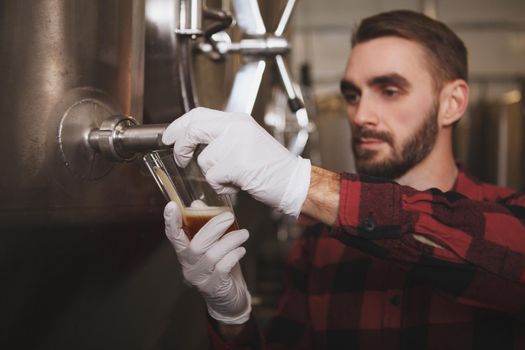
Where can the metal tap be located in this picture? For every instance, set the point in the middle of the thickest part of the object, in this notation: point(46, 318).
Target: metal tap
point(120, 138)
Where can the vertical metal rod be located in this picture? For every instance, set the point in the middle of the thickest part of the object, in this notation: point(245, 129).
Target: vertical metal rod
point(188, 17)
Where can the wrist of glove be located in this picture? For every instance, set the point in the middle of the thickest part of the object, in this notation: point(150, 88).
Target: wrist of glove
point(296, 189)
point(231, 307)
point(210, 262)
point(241, 155)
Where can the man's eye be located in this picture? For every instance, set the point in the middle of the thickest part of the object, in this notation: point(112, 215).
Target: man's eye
point(352, 97)
point(390, 92)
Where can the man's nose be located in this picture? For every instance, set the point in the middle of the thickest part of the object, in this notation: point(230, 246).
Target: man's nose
point(364, 114)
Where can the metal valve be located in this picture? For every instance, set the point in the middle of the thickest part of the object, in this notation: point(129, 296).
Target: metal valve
point(92, 136)
point(256, 48)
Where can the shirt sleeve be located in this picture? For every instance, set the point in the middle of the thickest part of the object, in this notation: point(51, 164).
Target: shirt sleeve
point(248, 338)
point(289, 328)
point(480, 253)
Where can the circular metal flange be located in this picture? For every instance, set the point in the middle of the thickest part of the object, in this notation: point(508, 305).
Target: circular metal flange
point(106, 139)
point(86, 112)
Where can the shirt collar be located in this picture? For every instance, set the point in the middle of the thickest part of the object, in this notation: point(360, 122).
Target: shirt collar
point(467, 186)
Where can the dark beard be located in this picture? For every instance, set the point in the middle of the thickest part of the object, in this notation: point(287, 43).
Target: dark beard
point(413, 151)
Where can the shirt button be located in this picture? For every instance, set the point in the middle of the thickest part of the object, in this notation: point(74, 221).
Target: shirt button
point(395, 300)
point(370, 225)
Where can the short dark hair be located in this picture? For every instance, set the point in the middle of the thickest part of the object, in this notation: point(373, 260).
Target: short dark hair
point(446, 51)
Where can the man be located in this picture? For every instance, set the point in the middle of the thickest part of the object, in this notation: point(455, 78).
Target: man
point(430, 260)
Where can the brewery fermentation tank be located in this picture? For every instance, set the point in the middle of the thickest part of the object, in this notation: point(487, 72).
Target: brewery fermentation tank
point(85, 263)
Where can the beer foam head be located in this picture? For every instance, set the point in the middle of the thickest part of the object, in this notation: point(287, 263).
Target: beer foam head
point(205, 211)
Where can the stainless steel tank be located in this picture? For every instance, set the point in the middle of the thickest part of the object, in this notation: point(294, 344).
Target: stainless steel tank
point(85, 264)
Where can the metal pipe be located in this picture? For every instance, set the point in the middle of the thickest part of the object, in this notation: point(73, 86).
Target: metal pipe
point(141, 138)
point(261, 46)
point(249, 47)
point(188, 17)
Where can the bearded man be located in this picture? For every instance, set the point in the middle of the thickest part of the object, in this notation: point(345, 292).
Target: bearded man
point(410, 254)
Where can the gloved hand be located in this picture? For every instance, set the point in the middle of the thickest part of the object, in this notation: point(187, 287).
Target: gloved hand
point(211, 264)
point(241, 154)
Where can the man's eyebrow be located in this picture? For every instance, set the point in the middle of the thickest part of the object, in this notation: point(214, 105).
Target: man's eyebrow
point(390, 79)
point(347, 85)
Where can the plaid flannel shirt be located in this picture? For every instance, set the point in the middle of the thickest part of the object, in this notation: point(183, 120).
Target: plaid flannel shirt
point(367, 283)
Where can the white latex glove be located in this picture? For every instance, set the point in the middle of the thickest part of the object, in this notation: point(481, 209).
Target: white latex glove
point(211, 264)
point(241, 154)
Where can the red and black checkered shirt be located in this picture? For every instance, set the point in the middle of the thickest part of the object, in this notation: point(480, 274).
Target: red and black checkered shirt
point(367, 283)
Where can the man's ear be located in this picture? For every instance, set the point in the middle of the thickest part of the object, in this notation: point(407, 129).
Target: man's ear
point(454, 99)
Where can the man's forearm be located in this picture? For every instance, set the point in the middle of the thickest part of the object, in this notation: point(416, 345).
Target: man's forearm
point(322, 201)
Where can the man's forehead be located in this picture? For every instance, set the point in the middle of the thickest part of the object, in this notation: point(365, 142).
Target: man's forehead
point(385, 56)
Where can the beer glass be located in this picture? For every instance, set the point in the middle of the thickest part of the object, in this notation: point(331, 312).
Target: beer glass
point(187, 187)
